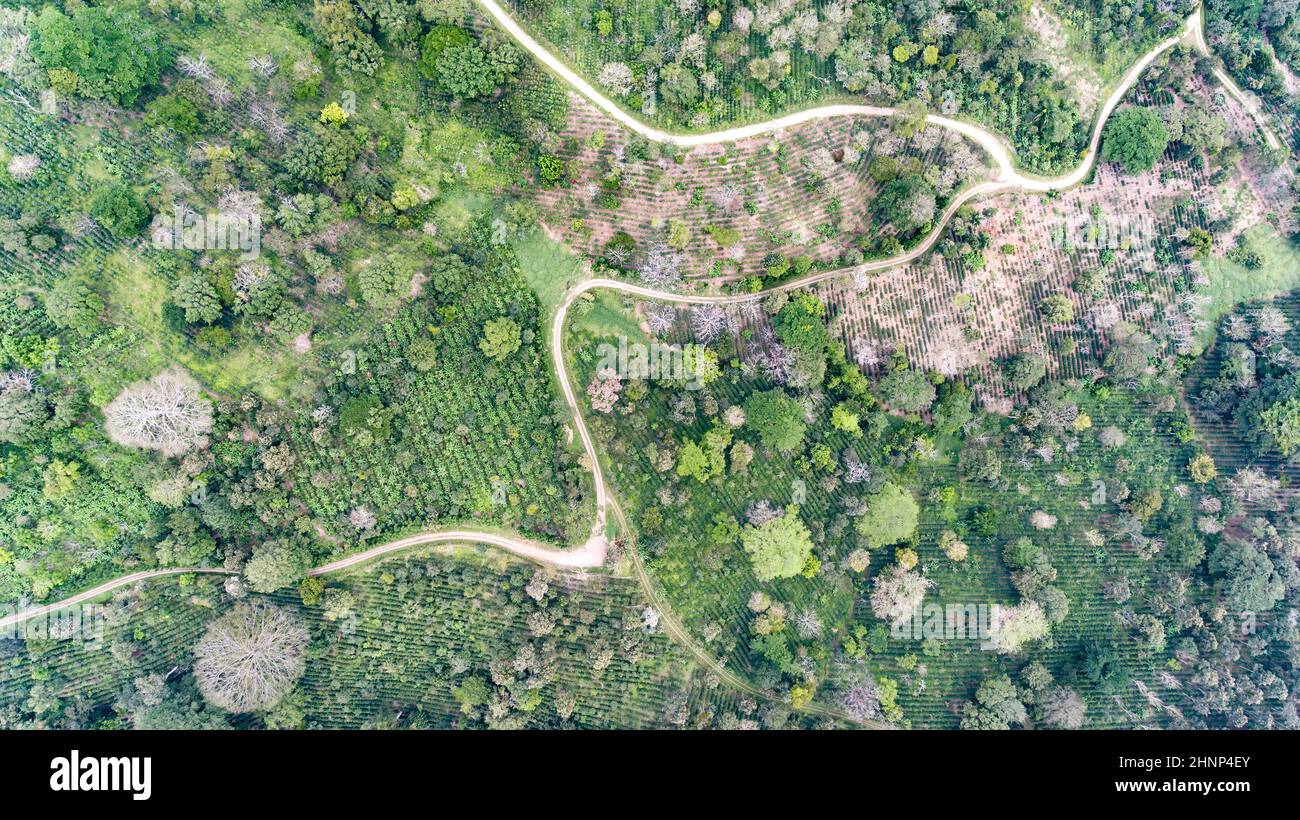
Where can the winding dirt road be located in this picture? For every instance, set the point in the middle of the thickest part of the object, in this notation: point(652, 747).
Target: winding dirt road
point(592, 553)
point(995, 147)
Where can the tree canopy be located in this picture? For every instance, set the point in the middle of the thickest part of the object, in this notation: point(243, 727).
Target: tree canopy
point(1135, 138)
point(778, 548)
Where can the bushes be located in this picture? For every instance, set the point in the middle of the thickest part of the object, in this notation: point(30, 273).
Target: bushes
point(777, 418)
point(99, 52)
point(118, 209)
point(1135, 138)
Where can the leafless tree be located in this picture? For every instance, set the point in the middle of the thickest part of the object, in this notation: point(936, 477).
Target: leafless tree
point(23, 166)
point(262, 65)
point(361, 519)
point(618, 255)
point(617, 77)
point(869, 354)
point(808, 624)
point(218, 89)
point(708, 322)
point(165, 413)
point(777, 362)
point(1251, 485)
point(1064, 708)
point(727, 197)
point(196, 67)
point(761, 512)
point(24, 380)
point(250, 658)
point(861, 700)
point(661, 318)
point(1272, 322)
point(240, 204)
point(661, 266)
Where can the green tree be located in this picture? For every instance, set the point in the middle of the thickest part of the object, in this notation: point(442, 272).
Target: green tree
point(692, 461)
point(907, 390)
point(438, 40)
point(501, 337)
point(73, 306)
point(1057, 309)
point(678, 85)
point(777, 418)
point(422, 354)
point(779, 547)
point(22, 412)
point(1250, 581)
point(1281, 422)
point(198, 297)
point(551, 169)
point(844, 419)
point(907, 202)
point(174, 113)
point(353, 49)
point(467, 71)
point(276, 564)
point(953, 409)
point(800, 327)
point(118, 209)
point(1135, 138)
point(1027, 370)
point(890, 517)
point(98, 52)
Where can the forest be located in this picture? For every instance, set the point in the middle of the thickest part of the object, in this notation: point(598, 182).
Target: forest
point(282, 283)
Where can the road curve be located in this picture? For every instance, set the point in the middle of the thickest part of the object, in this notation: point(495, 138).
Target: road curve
point(592, 553)
point(995, 147)
point(589, 555)
point(1247, 101)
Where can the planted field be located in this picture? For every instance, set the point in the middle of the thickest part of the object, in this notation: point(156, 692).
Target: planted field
point(1069, 477)
point(52, 679)
point(751, 208)
point(452, 638)
point(467, 439)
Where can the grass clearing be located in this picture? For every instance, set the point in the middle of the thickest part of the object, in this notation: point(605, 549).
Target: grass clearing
point(1232, 283)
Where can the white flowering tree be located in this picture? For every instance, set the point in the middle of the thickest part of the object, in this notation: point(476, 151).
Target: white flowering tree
point(165, 413)
point(250, 658)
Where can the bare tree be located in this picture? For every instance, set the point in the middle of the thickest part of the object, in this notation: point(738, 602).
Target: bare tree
point(361, 519)
point(727, 197)
point(165, 413)
point(263, 65)
point(708, 322)
point(661, 318)
point(760, 512)
point(196, 67)
point(661, 266)
point(1064, 708)
point(250, 657)
point(861, 700)
point(23, 166)
point(1251, 485)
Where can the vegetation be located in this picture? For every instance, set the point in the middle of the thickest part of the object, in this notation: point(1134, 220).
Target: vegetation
point(272, 295)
